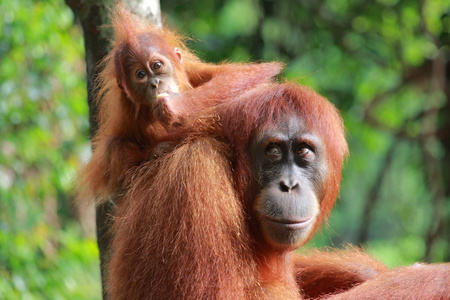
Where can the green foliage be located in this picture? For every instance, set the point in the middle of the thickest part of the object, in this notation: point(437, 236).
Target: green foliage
point(373, 60)
point(48, 263)
point(43, 125)
point(231, 23)
point(399, 252)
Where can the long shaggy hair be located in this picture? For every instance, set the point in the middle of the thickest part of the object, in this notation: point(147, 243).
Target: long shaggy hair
point(182, 230)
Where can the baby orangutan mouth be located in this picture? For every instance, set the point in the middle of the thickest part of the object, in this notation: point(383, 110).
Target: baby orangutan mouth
point(162, 95)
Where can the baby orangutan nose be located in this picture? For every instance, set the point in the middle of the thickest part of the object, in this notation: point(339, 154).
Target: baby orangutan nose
point(154, 82)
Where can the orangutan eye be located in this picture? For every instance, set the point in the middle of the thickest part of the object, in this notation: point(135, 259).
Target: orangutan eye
point(141, 74)
point(157, 65)
point(273, 152)
point(304, 151)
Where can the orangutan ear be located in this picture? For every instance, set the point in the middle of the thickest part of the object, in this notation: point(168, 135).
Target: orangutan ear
point(178, 53)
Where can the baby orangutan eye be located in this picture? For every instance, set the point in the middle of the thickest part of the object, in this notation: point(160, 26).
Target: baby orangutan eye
point(141, 74)
point(157, 65)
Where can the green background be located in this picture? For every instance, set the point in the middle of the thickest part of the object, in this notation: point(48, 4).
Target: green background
point(381, 62)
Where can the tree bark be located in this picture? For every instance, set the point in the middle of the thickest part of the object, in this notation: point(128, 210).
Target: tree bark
point(91, 15)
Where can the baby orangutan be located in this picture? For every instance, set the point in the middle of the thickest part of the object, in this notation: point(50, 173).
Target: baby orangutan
point(148, 82)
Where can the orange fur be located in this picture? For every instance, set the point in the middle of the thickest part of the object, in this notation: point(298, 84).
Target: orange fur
point(351, 274)
point(414, 282)
point(260, 108)
point(183, 231)
point(176, 239)
point(127, 130)
point(319, 273)
point(254, 112)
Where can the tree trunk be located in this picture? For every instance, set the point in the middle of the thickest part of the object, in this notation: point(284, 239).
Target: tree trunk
point(92, 15)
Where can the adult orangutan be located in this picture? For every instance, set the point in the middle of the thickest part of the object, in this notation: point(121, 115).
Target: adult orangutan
point(220, 216)
point(289, 153)
point(138, 95)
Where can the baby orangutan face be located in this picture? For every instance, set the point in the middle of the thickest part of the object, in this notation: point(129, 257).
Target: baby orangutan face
point(154, 77)
point(150, 70)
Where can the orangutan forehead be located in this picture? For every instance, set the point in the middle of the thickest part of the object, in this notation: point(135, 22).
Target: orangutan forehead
point(154, 43)
point(290, 127)
point(285, 124)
